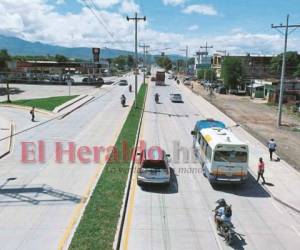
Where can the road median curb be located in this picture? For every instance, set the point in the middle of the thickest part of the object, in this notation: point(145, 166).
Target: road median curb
point(8, 139)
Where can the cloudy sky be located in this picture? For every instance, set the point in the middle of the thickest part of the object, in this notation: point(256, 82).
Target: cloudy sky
point(237, 26)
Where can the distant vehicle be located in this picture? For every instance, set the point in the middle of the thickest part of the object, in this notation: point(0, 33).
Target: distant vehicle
point(176, 98)
point(86, 80)
point(153, 79)
point(221, 90)
point(233, 91)
point(223, 157)
point(160, 78)
point(100, 80)
point(170, 77)
point(123, 83)
point(187, 83)
point(154, 168)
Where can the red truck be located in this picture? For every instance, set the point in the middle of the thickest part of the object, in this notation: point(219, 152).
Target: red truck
point(160, 78)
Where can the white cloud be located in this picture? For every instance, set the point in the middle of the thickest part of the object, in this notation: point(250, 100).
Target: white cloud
point(129, 6)
point(193, 27)
point(103, 4)
point(202, 9)
point(37, 20)
point(58, 2)
point(174, 2)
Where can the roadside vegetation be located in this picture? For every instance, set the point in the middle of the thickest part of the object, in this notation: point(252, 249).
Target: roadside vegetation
point(98, 225)
point(49, 103)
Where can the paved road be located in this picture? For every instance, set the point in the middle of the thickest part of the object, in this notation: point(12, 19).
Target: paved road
point(38, 209)
point(180, 216)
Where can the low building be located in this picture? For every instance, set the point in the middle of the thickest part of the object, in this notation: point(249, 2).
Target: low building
point(59, 68)
point(255, 66)
point(269, 89)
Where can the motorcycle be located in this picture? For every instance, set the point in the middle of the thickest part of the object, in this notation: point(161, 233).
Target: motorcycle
point(156, 98)
point(123, 101)
point(225, 229)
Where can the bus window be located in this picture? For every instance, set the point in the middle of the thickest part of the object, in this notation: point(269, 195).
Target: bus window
point(208, 152)
point(200, 139)
point(231, 156)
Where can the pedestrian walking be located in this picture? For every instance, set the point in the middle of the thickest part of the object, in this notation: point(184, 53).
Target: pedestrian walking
point(32, 114)
point(261, 170)
point(272, 148)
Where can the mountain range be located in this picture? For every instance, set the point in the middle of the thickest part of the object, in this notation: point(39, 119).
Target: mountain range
point(17, 46)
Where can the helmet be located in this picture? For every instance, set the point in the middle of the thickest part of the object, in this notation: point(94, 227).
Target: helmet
point(221, 202)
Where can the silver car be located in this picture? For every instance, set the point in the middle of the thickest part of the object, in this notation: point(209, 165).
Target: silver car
point(176, 98)
point(154, 168)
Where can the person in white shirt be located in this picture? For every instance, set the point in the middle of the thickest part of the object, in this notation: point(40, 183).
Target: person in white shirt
point(272, 148)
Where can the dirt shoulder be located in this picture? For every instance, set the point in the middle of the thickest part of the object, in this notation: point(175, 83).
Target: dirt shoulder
point(259, 119)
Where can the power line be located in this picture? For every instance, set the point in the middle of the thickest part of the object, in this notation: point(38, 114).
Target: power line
point(286, 27)
point(99, 18)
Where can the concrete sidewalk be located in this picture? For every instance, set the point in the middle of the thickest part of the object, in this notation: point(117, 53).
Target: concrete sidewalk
point(6, 130)
point(282, 179)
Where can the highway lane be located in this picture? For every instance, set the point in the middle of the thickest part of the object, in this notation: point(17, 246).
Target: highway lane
point(180, 217)
point(39, 209)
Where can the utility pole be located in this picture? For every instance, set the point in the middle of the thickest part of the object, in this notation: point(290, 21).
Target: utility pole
point(186, 59)
point(281, 93)
point(136, 19)
point(145, 47)
point(206, 47)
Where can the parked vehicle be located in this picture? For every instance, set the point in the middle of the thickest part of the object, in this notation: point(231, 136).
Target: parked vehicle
point(123, 83)
point(221, 90)
point(154, 168)
point(160, 78)
point(176, 98)
point(223, 157)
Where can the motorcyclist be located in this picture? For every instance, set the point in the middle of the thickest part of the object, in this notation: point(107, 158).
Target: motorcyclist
point(156, 97)
point(223, 214)
point(123, 100)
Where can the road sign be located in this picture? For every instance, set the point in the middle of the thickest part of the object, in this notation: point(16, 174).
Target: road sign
point(96, 54)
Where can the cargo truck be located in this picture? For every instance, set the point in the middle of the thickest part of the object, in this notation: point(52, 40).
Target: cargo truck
point(160, 78)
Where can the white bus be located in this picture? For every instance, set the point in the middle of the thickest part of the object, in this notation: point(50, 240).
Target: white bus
point(223, 157)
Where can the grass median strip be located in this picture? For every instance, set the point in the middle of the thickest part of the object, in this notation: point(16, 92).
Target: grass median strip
point(98, 224)
point(49, 103)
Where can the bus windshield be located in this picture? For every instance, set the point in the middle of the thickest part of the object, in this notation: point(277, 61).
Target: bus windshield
point(230, 156)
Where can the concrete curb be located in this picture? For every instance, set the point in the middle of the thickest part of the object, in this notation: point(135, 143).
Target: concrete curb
point(9, 143)
point(118, 235)
point(42, 111)
point(77, 107)
point(68, 103)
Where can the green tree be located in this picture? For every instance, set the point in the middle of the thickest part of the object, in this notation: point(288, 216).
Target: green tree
point(4, 58)
point(130, 61)
point(292, 61)
point(61, 58)
point(206, 74)
point(297, 72)
point(164, 62)
point(232, 72)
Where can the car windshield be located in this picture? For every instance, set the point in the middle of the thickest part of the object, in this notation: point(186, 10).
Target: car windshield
point(160, 164)
point(176, 95)
point(231, 156)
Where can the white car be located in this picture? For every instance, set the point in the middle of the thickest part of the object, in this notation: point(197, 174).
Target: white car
point(123, 83)
point(154, 168)
point(176, 98)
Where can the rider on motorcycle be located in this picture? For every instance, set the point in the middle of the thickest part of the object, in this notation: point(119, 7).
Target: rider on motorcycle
point(123, 100)
point(223, 212)
point(156, 97)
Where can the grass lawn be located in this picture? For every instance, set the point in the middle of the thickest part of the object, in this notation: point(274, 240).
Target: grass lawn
point(98, 225)
point(49, 103)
